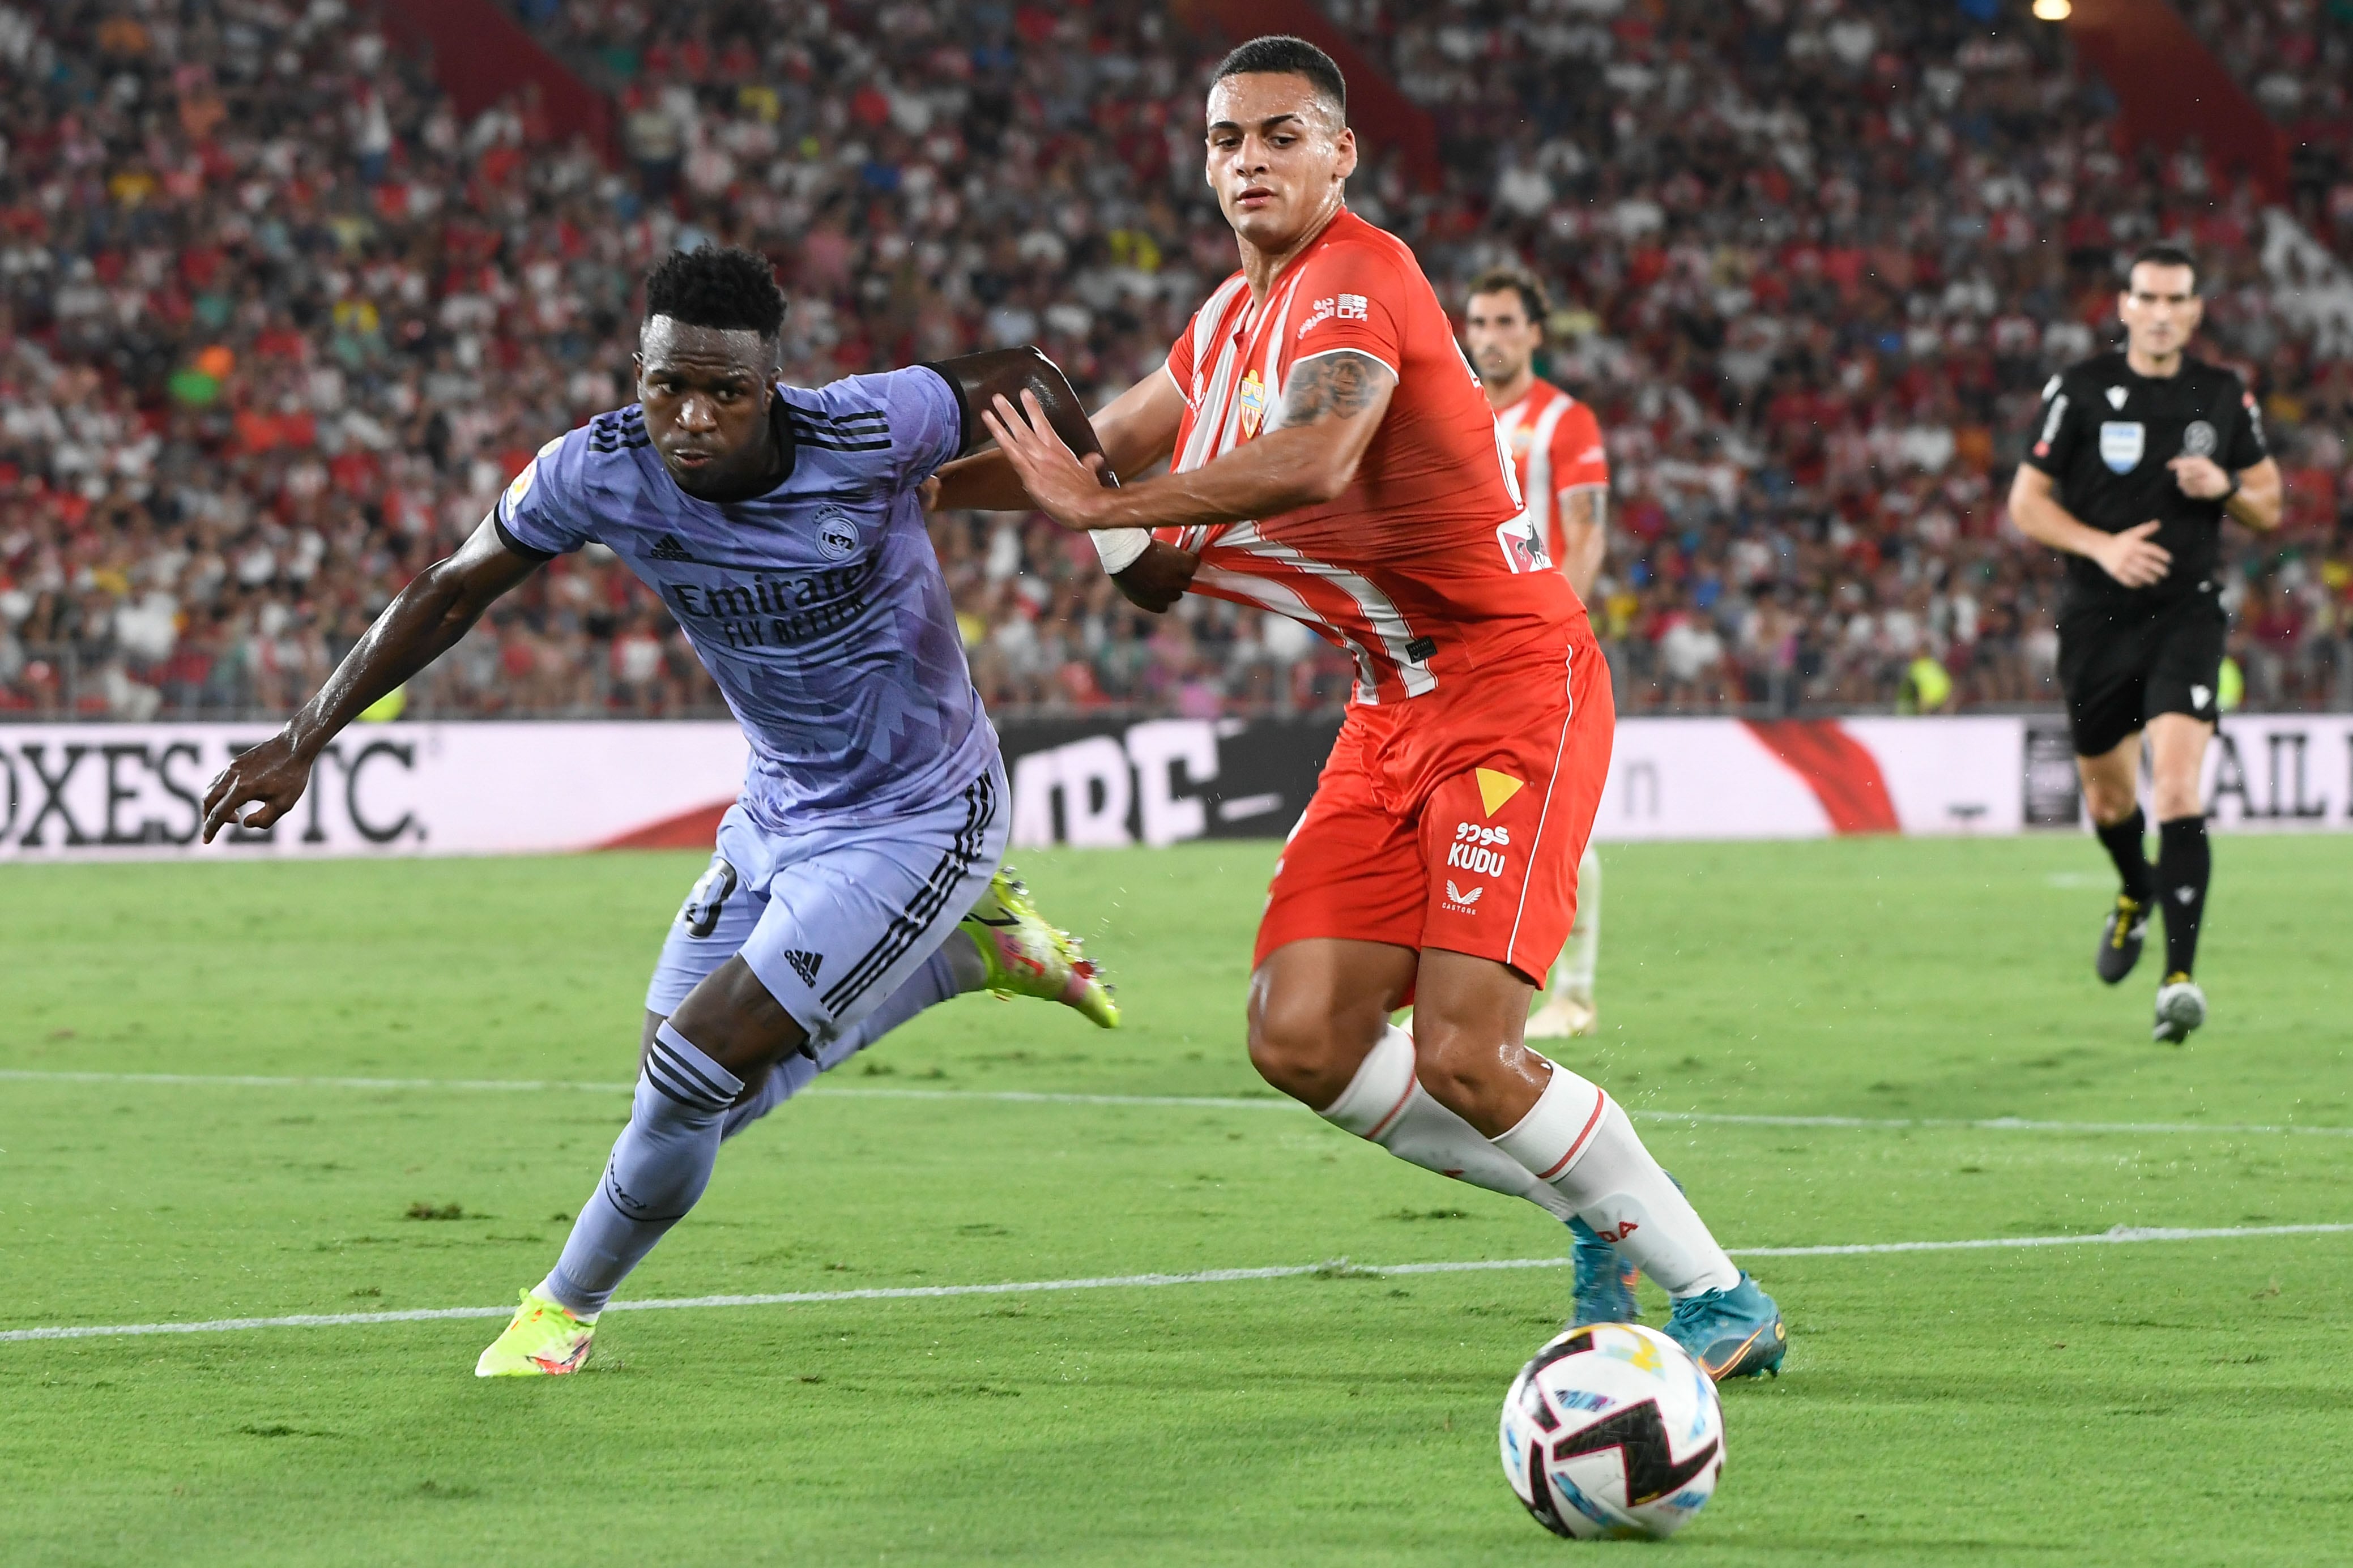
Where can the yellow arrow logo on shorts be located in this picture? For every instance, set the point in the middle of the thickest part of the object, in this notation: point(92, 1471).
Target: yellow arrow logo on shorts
point(1496, 788)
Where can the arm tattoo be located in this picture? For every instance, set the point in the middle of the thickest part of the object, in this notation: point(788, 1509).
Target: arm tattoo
point(1340, 385)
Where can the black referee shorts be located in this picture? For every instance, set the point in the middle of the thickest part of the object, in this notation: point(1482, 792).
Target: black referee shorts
point(2120, 672)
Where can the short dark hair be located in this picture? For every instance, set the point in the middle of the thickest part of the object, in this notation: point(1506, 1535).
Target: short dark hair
point(1279, 54)
point(2165, 256)
point(726, 287)
point(1518, 280)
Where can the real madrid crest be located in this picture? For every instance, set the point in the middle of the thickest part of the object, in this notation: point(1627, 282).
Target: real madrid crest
point(836, 536)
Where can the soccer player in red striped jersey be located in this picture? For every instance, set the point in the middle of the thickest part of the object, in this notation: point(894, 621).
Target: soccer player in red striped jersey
point(1556, 447)
point(1332, 459)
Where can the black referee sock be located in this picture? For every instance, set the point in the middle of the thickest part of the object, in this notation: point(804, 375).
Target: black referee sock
point(2184, 861)
point(2126, 843)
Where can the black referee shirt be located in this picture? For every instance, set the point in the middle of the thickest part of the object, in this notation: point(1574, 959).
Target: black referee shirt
point(2105, 436)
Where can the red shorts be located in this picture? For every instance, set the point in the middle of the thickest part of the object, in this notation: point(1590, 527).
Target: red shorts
point(1454, 822)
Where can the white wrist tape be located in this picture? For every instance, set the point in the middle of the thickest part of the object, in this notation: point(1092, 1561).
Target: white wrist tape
point(1121, 548)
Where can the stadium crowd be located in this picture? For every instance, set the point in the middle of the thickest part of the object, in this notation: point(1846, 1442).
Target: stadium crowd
point(2295, 57)
point(276, 323)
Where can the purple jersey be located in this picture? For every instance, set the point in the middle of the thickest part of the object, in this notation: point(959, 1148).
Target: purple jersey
point(818, 607)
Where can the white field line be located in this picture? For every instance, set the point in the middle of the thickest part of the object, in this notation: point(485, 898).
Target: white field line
point(2118, 1235)
point(1179, 1101)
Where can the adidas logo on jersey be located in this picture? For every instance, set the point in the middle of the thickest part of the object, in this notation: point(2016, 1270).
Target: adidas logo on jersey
point(668, 548)
point(805, 964)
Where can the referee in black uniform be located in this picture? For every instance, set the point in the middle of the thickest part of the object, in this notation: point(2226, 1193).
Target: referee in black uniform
point(2139, 458)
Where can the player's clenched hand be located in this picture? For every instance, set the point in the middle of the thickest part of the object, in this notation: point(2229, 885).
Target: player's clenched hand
point(928, 492)
point(2200, 479)
point(1159, 576)
point(1066, 490)
point(2133, 558)
point(273, 773)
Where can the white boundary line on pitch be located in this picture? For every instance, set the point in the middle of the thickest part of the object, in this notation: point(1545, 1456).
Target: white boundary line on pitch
point(1179, 1101)
point(2117, 1235)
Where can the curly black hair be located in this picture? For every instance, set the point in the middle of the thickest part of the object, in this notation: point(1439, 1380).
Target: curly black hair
point(727, 288)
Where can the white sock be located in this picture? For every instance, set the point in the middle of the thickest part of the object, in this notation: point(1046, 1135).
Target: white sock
point(1386, 1103)
point(1580, 1144)
point(1582, 956)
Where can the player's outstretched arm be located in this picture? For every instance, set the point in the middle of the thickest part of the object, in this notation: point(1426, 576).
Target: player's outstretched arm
point(1332, 406)
point(973, 482)
point(2253, 495)
point(1136, 431)
point(2131, 557)
point(419, 626)
point(1133, 432)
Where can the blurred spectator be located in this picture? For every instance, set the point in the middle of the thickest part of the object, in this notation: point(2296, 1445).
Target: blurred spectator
point(276, 323)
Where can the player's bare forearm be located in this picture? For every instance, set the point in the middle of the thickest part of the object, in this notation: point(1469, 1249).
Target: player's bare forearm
point(1332, 407)
point(2042, 518)
point(982, 482)
point(2132, 557)
point(1158, 577)
point(2253, 495)
point(424, 621)
point(1278, 472)
point(1134, 431)
point(1584, 536)
point(985, 481)
point(2261, 498)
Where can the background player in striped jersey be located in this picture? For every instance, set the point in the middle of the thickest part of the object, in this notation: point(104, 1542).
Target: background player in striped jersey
point(1336, 461)
point(1556, 448)
point(1563, 471)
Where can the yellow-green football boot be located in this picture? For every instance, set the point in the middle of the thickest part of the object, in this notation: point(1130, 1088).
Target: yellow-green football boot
point(1027, 957)
point(543, 1340)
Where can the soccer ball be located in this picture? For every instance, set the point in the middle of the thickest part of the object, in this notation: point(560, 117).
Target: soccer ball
point(1612, 1431)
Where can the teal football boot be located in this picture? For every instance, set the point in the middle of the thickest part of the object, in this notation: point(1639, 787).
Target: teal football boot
point(1731, 1333)
point(1605, 1282)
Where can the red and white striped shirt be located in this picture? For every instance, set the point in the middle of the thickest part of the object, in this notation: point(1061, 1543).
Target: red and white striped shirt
point(1426, 566)
point(1555, 446)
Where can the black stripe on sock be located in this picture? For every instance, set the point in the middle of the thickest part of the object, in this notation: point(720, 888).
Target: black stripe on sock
point(669, 1087)
point(677, 1059)
point(663, 1072)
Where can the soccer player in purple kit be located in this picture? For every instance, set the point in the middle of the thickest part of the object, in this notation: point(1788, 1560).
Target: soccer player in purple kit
point(857, 878)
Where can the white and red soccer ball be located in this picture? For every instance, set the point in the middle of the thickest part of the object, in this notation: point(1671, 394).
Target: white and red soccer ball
point(1612, 1431)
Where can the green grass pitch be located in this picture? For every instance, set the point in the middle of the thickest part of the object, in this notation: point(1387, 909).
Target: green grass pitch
point(2173, 1402)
